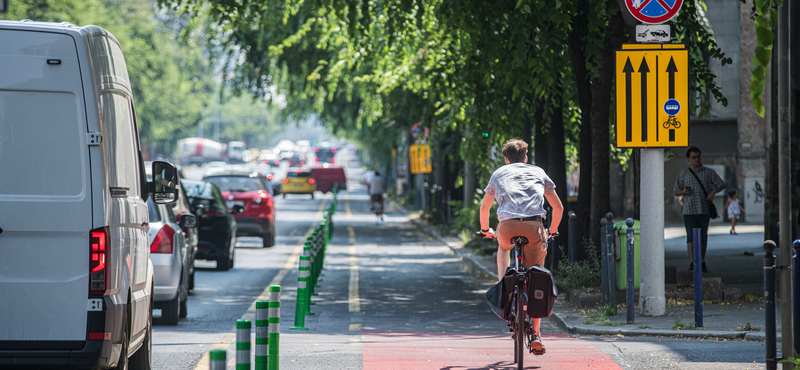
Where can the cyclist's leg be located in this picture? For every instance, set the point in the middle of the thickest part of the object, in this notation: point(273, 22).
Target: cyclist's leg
point(505, 231)
point(533, 254)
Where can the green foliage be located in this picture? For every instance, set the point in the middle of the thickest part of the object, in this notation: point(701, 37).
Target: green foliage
point(609, 310)
point(598, 317)
point(680, 322)
point(792, 359)
point(766, 19)
point(748, 327)
point(581, 274)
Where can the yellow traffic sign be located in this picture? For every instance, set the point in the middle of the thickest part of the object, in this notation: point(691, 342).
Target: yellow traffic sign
point(420, 158)
point(652, 96)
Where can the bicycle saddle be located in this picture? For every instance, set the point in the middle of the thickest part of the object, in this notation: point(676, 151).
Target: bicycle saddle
point(522, 239)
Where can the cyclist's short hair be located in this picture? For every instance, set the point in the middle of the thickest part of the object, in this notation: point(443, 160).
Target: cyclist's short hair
point(692, 149)
point(515, 150)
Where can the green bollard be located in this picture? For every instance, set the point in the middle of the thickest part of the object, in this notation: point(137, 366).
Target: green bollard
point(300, 306)
point(305, 265)
point(262, 334)
point(274, 326)
point(217, 360)
point(243, 344)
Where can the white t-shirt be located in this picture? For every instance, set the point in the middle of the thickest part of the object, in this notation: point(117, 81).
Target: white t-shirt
point(368, 175)
point(378, 186)
point(519, 190)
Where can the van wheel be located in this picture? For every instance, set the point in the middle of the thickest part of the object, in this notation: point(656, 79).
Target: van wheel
point(142, 359)
point(230, 263)
point(284, 195)
point(191, 280)
point(184, 299)
point(184, 309)
point(170, 310)
point(122, 363)
point(224, 263)
point(312, 195)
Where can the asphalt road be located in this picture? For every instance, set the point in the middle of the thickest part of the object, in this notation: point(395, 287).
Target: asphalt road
point(393, 298)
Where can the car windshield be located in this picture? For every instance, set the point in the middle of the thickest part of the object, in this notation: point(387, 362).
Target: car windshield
point(198, 190)
point(298, 174)
point(236, 183)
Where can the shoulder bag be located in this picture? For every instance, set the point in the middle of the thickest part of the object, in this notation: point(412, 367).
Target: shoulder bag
point(712, 209)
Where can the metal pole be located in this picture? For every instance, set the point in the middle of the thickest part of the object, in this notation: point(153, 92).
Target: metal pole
point(784, 179)
point(553, 250)
point(771, 345)
point(573, 237)
point(243, 344)
point(629, 269)
point(652, 297)
point(698, 276)
point(796, 295)
point(611, 270)
point(604, 261)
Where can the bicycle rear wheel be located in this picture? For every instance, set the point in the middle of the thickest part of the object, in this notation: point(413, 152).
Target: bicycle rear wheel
point(519, 340)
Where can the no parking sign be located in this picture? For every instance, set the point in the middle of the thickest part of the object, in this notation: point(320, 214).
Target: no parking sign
point(653, 11)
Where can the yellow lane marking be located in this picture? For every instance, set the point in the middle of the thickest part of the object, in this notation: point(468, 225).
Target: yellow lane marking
point(355, 303)
point(355, 327)
point(225, 342)
point(221, 345)
point(347, 208)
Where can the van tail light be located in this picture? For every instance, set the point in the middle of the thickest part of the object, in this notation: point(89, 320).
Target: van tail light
point(311, 181)
point(333, 150)
point(333, 159)
point(269, 177)
point(98, 255)
point(285, 180)
point(163, 241)
point(317, 159)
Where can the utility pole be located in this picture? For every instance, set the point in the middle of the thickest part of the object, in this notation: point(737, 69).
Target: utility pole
point(784, 183)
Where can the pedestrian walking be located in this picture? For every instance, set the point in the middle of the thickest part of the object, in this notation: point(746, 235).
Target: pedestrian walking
point(733, 209)
point(697, 184)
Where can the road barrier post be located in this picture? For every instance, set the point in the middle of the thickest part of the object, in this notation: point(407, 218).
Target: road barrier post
point(629, 269)
point(274, 326)
point(769, 307)
point(611, 270)
point(698, 276)
point(796, 295)
point(300, 306)
point(604, 262)
point(305, 272)
point(216, 360)
point(243, 344)
point(262, 334)
point(573, 237)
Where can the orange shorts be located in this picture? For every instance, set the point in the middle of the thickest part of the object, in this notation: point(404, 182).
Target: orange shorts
point(533, 253)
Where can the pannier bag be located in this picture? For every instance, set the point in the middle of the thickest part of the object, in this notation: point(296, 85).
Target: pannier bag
point(500, 296)
point(542, 292)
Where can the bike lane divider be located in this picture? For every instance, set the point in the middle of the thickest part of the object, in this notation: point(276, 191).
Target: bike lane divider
point(225, 342)
point(421, 350)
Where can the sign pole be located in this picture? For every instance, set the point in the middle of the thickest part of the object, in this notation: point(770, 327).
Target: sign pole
point(652, 300)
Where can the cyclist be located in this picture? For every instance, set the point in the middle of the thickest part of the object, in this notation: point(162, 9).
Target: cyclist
point(376, 189)
point(520, 190)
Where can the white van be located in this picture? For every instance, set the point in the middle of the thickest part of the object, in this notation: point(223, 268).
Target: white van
point(76, 279)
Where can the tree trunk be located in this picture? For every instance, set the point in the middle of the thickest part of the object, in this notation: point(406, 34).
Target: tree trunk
point(600, 120)
point(557, 159)
point(527, 137)
point(542, 148)
point(578, 62)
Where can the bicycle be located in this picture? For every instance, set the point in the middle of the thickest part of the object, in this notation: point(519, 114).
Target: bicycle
point(377, 205)
point(522, 329)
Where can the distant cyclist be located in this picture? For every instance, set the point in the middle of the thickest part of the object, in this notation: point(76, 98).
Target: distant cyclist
point(520, 190)
point(377, 188)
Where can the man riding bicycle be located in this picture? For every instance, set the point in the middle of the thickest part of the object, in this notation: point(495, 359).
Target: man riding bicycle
point(520, 190)
point(376, 189)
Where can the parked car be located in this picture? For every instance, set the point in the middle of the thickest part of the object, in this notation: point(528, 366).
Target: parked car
point(299, 181)
point(171, 260)
point(217, 226)
point(77, 280)
point(251, 192)
point(325, 153)
point(180, 208)
point(327, 175)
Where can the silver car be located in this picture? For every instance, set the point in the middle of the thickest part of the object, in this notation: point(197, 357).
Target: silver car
point(171, 259)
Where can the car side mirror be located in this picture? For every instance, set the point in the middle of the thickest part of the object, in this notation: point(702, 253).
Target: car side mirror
point(165, 183)
point(188, 221)
point(237, 209)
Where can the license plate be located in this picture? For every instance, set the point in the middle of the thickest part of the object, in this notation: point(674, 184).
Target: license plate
point(232, 203)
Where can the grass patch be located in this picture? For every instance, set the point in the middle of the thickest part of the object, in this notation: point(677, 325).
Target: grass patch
point(581, 274)
point(597, 317)
point(748, 327)
point(680, 322)
point(644, 326)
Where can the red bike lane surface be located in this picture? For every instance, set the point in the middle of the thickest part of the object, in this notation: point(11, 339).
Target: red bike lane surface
point(417, 350)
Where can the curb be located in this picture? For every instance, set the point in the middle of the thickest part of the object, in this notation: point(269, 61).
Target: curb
point(467, 257)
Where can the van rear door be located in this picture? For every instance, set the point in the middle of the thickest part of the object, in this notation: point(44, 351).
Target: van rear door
point(45, 207)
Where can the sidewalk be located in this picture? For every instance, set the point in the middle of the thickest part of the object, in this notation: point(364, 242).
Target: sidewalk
point(723, 321)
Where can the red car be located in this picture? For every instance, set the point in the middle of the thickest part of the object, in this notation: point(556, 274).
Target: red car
point(252, 192)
